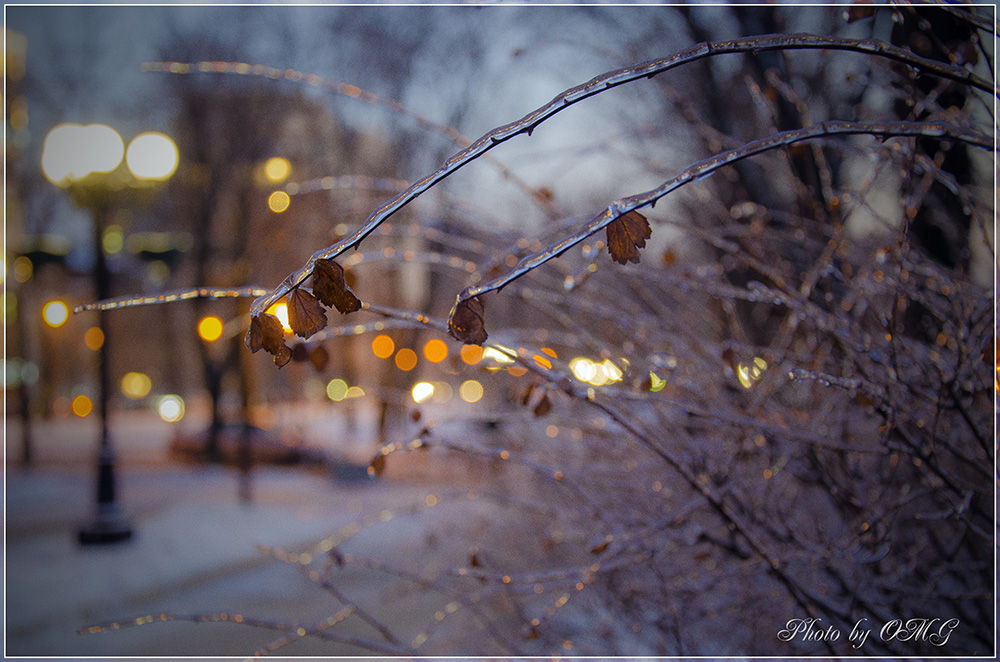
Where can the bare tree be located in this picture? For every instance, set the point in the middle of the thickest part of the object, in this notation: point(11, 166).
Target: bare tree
point(772, 434)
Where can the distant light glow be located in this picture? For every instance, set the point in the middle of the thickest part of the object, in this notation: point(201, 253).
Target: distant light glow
point(152, 156)
point(280, 310)
point(406, 359)
point(210, 328)
point(435, 350)
point(23, 268)
point(72, 151)
point(277, 169)
point(136, 385)
point(336, 390)
point(354, 392)
point(750, 373)
point(583, 369)
point(471, 391)
point(278, 201)
point(82, 406)
point(497, 355)
point(113, 240)
point(55, 313)
point(170, 408)
point(472, 354)
point(383, 346)
point(442, 392)
point(655, 383)
point(593, 373)
point(422, 392)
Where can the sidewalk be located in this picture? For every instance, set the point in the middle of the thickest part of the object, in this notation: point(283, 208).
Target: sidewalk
point(193, 552)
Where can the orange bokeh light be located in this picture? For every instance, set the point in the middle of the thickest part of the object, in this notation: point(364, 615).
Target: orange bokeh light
point(472, 354)
point(435, 350)
point(383, 347)
point(93, 338)
point(406, 359)
point(82, 406)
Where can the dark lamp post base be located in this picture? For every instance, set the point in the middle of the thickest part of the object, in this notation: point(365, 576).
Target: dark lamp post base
point(105, 530)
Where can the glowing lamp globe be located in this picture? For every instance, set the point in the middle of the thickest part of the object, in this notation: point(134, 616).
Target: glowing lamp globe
point(152, 156)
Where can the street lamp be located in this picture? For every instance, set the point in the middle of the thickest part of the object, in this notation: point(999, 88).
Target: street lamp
point(93, 165)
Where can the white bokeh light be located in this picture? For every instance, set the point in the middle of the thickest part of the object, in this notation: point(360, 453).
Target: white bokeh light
point(72, 151)
point(152, 156)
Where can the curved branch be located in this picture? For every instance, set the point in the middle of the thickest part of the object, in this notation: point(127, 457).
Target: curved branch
point(706, 167)
point(600, 84)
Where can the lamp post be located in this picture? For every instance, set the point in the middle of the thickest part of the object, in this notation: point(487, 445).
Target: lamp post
point(92, 164)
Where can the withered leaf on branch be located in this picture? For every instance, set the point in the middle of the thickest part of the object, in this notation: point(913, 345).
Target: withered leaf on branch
point(282, 356)
point(526, 396)
point(543, 407)
point(860, 9)
point(466, 322)
point(267, 333)
point(626, 235)
point(331, 288)
point(600, 543)
point(255, 336)
point(305, 314)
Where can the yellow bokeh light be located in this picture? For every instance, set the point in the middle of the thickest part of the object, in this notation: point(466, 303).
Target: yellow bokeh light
point(422, 392)
point(583, 369)
point(613, 372)
point(383, 347)
point(277, 169)
point(354, 392)
point(442, 392)
point(82, 406)
point(749, 373)
point(23, 268)
point(136, 385)
point(210, 328)
point(435, 350)
point(113, 240)
point(170, 408)
point(497, 355)
point(337, 390)
point(280, 310)
point(406, 359)
point(471, 391)
point(595, 374)
point(472, 354)
point(55, 313)
point(278, 201)
point(93, 338)
point(655, 383)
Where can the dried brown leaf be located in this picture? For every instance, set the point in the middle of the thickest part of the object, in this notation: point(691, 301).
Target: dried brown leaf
point(526, 396)
point(282, 356)
point(306, 315)
point(543, 407)
point(600, 543)
point(267, 333)
point(859, 10)
point(331, 288)
point(255, 336)
point(466, 322)
point(626, 235)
